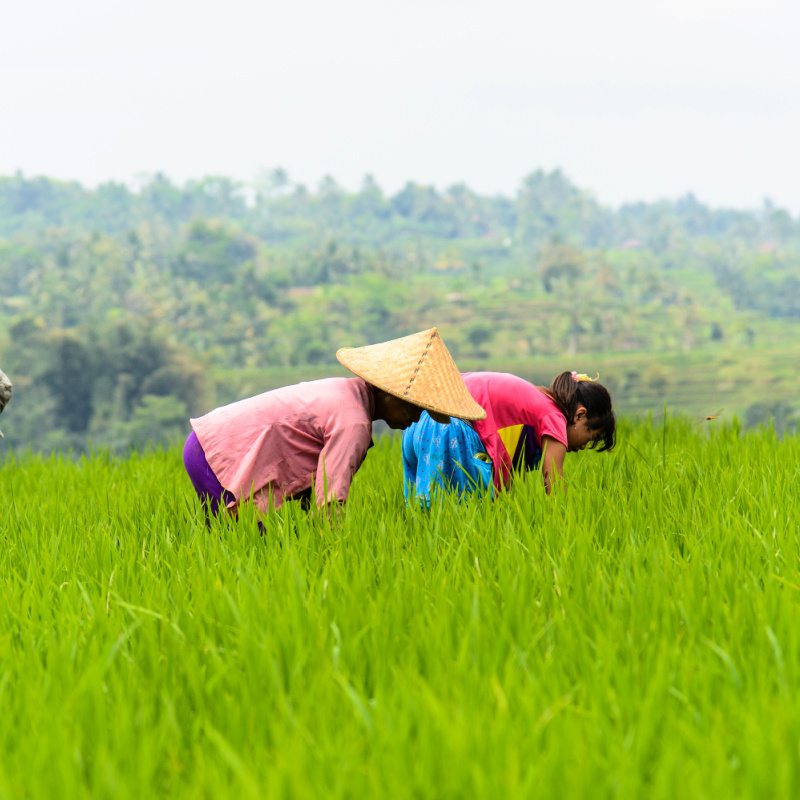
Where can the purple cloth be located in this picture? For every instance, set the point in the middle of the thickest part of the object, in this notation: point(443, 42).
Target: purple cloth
point(210, 491)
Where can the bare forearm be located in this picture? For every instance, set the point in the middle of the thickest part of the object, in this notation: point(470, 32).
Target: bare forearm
point(553, 463)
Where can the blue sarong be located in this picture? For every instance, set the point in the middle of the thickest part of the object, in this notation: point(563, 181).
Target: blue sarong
point(440, 457)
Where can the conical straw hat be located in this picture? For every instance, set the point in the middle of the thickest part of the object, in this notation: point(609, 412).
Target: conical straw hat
point(416, 368)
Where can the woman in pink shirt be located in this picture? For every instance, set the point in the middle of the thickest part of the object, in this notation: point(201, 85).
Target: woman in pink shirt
point(313, 437)
point(522, 421)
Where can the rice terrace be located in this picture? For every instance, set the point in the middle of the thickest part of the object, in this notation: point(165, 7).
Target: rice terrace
point(636, 636)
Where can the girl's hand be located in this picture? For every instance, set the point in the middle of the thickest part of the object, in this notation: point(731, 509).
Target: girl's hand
point(553, 453)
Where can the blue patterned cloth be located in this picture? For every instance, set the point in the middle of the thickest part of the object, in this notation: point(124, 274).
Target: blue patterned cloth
point(443, 457)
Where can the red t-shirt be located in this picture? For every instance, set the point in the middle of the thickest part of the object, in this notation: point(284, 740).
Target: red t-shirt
point(518, 415)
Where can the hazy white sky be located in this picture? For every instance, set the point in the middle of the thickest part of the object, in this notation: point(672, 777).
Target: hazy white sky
point(633, 100)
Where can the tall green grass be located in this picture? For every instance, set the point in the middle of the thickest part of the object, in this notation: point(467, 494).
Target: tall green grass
point(638, 636)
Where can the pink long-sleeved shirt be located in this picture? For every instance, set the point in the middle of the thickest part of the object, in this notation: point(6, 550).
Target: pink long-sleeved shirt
point(278, 443)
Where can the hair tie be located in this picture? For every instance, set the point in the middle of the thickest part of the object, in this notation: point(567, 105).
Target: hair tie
point(582, 377)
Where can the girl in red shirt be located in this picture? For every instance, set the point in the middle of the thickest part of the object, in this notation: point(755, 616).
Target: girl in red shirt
point(522, 422)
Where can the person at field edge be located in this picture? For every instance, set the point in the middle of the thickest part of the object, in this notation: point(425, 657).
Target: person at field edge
point(312, 438)
point(524, 426)
point(6, 390)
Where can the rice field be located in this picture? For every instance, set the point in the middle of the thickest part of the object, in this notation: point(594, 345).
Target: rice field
point(635, 637)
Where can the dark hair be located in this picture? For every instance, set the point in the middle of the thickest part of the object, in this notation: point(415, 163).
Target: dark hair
point(568, 394)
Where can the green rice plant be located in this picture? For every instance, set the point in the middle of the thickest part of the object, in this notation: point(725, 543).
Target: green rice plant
point(634, 636)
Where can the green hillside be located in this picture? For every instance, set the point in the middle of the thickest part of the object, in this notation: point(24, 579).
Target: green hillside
point(123, 313)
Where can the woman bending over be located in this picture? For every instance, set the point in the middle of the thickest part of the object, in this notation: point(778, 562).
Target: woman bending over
point(306, 442)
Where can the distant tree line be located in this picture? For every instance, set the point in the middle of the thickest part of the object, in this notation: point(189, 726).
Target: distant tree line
point(279, 211)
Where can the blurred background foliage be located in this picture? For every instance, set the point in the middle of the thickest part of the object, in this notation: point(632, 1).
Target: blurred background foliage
point(123, 310)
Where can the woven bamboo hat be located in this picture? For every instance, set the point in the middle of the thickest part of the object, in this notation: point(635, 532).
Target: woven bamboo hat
point(416, 368)
point(5, 392)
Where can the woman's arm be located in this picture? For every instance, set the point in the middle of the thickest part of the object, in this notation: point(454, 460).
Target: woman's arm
point(348, 436)
point(553, 453)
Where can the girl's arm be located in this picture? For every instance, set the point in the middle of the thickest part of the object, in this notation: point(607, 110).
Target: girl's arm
point(553, 453)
